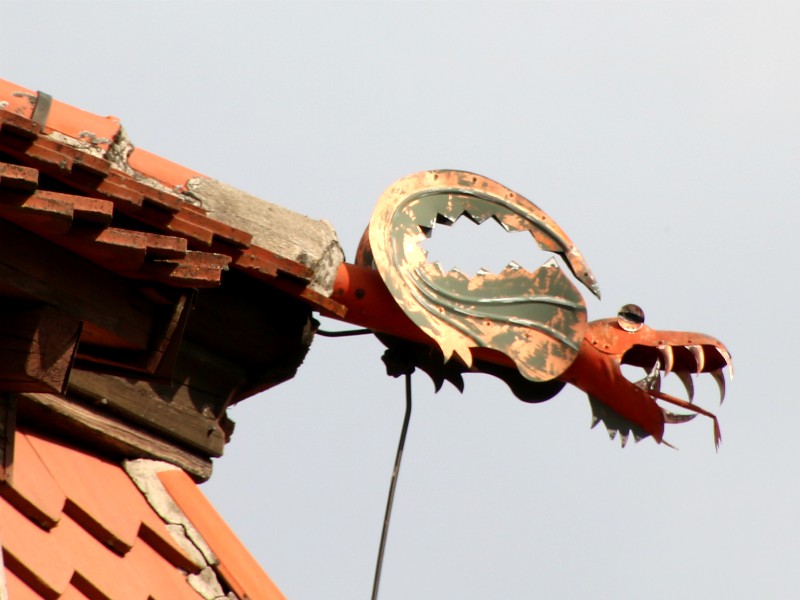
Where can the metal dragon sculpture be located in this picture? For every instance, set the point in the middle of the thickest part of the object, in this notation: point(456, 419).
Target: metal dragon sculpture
point(528, 328)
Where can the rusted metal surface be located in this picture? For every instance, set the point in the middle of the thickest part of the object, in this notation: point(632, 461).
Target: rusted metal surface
point(627, 407)
point(515, 322)
point(537, 319)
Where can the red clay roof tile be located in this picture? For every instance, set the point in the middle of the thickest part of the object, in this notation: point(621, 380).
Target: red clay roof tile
point(18, 178)
point(108, 542)
point(129, 192)
point(35, 492)
point(236, 564)
point(28, 551)
point(19, 590)
point(61, 117)
point(168, 172)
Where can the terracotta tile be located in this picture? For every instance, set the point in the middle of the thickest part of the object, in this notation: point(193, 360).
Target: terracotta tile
point(100, 495)
point(57, 157)
point(82, 125)
point(180, 223)
point(18, 125)
point(108, 503)
point(99, 572)
point(159, 199)
point(155, 534)
point(18, 590)
point(165, 171)
point(91, 210)
point(18, 178)
point(34, 492)
point(70, 593)
point(183, 273)
point(93, 165)
point(115, 249)
point(30, 553)
point(236, 565)
point(20, 100)
point(126, 199)
point(44, 218)
point(164, 581)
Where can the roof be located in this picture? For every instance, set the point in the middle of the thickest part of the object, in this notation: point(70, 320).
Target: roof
point(78, 526)
point(138, 300)
point(156, 294)
point(175, 221)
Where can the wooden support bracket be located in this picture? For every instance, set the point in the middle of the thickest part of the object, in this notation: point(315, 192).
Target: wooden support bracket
point(37, 346)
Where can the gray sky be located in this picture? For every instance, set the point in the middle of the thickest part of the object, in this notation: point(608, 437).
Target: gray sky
point(663, 137)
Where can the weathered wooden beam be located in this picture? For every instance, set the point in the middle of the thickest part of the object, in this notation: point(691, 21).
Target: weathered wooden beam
point(31, 267)
point(37, 346)
point(126, 325)
point(175, 412)
point(114, 437)
point(8, 428)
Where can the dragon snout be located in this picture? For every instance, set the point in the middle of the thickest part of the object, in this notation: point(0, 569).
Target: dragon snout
point(626, 340)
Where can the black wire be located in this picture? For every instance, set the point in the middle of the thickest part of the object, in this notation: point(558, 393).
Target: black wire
point(346, 333)
point(392, 486)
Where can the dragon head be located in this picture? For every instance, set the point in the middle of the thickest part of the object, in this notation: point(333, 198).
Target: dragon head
point(627, 407)
point(528, 328)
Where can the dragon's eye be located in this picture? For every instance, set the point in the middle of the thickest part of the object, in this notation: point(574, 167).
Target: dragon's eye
point(630, 317)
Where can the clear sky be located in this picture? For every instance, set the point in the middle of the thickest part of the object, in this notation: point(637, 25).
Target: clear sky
point(663, 137)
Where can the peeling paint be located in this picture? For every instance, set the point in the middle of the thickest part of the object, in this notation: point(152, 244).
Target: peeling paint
point(144, 473)
point(30, 97)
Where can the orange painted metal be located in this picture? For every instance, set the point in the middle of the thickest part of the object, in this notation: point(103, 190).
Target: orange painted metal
point(533, 322)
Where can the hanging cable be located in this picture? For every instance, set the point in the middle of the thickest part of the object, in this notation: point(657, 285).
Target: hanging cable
point(392, 486)
point(345, 333)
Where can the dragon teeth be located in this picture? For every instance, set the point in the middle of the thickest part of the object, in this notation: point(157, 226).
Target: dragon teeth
point(719, 377)
point(667, 358)
point(699, 356)
point(686, 380)
point(673, 418)
point(506, 227)
point(728, 360)
point(478, 219)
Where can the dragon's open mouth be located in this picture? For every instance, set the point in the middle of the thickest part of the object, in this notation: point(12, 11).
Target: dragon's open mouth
point(685, 359)
point(682, 360)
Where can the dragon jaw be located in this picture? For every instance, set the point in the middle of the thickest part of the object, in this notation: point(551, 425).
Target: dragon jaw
point(626, 407)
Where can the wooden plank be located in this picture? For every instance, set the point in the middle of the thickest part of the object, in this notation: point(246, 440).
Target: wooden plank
point(37, 346)
point(35, 268)
point(108, 434)
point(169, 410)
point(8, 429)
